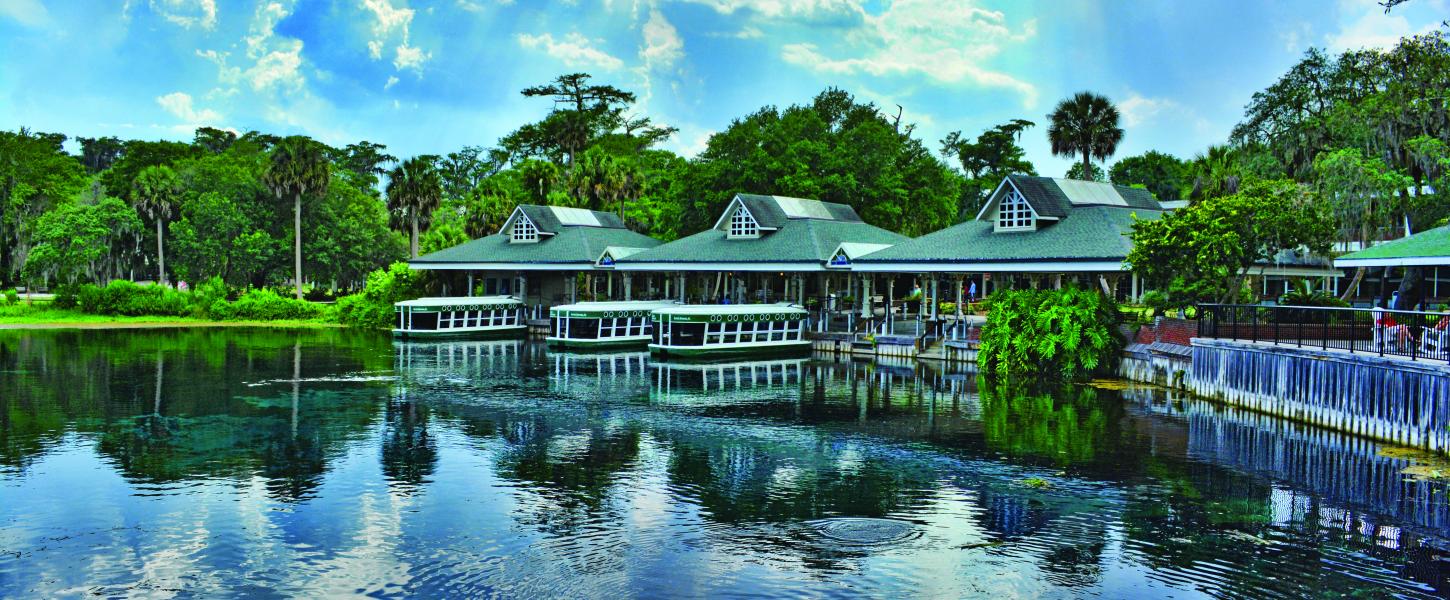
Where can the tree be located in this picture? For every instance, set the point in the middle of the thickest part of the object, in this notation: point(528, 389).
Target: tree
point(1085, 125)
point(1162, 174)
point(154, 193)
point(213, 140)
point(993, 156)
point(98, 154)
point(36, 176)
point(833, 149)
point(588, 111)
point(1366, 198)
point(364, 160)
point(215, 237)
point(1202, 253)
point(297, 167)
point(1076, 172)
point(414, 191)
point(83, 242)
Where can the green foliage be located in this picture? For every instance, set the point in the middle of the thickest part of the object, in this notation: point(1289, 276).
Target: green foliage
point(1065, 334)
point(1201, 253)
point(994, 155)
point(12, 296)
point(1076, 172)
point(36, 176)
point(264, 305)
point(1086, 126)
point(1164, 175)
point(83, 242)
point(834, 149)
point(373, 307)
point(125, 298)
point(1156, 300)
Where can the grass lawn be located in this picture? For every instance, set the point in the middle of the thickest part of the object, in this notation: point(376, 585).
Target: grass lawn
point(23, 316)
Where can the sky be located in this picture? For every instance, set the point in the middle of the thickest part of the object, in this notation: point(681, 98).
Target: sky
point(431, 77)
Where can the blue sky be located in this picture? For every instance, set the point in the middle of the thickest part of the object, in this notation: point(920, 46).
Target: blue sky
point(429, 77)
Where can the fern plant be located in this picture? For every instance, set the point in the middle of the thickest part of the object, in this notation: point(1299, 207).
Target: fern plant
point(1064, 335)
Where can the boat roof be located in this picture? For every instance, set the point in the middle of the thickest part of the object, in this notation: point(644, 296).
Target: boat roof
point(731, 309)
point(616, 305)
point(460, 301)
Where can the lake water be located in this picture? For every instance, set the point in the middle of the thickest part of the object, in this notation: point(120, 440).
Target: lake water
point(261, 463)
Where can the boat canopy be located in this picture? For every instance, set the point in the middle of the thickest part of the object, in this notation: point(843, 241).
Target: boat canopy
point(452, 303)
point(730, 313)
point(605, 310)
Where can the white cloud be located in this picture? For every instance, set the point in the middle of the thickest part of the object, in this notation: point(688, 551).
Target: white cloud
point(187, 13)
point(573, 50)
point(1371, 27)
point(1294, 38)
point(1139, 110)
point(662, 43)
point(794, 9)
point(277, 61)
point(180, 105)
point(949, 44)
point(392, 81)
point(30, 13)
point(389, 22)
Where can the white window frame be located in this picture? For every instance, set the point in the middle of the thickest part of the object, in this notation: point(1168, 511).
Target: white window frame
point(743, 224)
point(1014, 213)
point(523, 231)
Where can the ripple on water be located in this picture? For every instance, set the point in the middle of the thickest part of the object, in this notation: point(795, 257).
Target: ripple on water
point(865, 531)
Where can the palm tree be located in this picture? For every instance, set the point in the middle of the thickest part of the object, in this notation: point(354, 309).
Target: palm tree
point(298, 166)
point(1087, 125)
point(154, 193)
point(414, 190)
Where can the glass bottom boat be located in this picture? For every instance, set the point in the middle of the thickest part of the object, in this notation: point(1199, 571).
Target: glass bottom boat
point(589, 325)
point(729, 330)
point(474, 317)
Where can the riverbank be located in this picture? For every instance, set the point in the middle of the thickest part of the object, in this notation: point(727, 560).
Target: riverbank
point(55, 318)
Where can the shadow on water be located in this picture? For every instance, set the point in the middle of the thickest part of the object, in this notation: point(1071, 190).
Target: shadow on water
point(501, 468)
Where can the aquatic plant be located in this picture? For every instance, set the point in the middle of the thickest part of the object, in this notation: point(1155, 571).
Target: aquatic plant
point(1067, 334)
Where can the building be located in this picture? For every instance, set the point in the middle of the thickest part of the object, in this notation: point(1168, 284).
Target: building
point(545, 255)
point(764, 249)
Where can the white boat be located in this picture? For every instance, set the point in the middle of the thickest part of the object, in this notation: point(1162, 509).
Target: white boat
point(473, 316)
point(602, 324)
point(726, 330)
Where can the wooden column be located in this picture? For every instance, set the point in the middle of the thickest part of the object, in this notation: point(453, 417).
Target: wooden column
point(628, 287)
point(890, 304)
point(865, 296)
point(957, 281)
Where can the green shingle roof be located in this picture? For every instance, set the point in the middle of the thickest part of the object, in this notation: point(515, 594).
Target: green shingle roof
point(570, 245)
point(1429, 247)
point(795, 241)
point(1088, 233)
point(1055, 197)
point(772, 212)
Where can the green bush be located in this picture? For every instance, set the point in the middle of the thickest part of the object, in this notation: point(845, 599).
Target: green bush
point(1156, 300)
point(12, 296)
point(263, 305)
point(1065, 334)
point(123, 297)
point(373, 307)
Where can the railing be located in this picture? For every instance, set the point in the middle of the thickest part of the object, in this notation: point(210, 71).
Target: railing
point(1375, 331)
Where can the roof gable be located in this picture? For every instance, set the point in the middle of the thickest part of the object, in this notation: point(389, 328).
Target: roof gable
point(552, 219)
point(1054, 198)
point(772, 212)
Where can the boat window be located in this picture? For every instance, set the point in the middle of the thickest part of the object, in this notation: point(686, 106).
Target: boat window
point(425, 321)
point(687, 334)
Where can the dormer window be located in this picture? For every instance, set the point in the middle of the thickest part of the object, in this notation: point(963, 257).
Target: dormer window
point(524, 231)
point(1014, 214)
point(743, 225)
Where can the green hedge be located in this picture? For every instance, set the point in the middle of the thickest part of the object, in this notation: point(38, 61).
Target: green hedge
point(263, 305)
point(373, 307)
point(1066, 334)
point(129, 299)
point(208, 301)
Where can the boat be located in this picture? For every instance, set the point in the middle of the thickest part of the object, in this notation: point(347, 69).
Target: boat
point(729, 330)
point(588, 325)
point(473, 316)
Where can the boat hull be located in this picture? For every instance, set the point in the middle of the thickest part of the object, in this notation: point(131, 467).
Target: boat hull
point(608, 343)
point(477, 334)
point(801, 348)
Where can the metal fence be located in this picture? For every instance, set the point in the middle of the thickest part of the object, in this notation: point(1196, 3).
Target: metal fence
point(1375, 331)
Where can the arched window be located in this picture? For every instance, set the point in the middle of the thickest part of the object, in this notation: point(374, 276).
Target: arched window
point(525, 231)
point(1014, 212)
point(742, 224)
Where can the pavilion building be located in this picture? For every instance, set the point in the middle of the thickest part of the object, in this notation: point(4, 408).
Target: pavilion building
point(543, 254)
point(766, 249)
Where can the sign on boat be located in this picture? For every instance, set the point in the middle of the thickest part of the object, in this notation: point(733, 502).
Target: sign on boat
point(722, 330)
point(603, 324)
point(475, 316)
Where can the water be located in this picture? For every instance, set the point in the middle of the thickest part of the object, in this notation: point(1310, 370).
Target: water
point(277, 463)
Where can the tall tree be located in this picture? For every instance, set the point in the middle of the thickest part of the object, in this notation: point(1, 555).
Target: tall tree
point(414, 190)
point(297, 167)
point(582, 112)
point(994, 155)
point(1162, 174)
point(213, 140)
point(1085, 125)
point(154, 193)
point(98, 154)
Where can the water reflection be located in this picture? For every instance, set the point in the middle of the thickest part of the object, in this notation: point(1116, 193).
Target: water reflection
point(326, 458)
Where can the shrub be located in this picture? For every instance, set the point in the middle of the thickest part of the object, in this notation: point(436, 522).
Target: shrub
point(1156, 300)
point(123, 297)
point(373, 307)
point(264, 305)
point(1064, 334)
point(12, 296)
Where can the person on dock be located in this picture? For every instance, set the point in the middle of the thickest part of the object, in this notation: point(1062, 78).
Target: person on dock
point(1391, 329)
